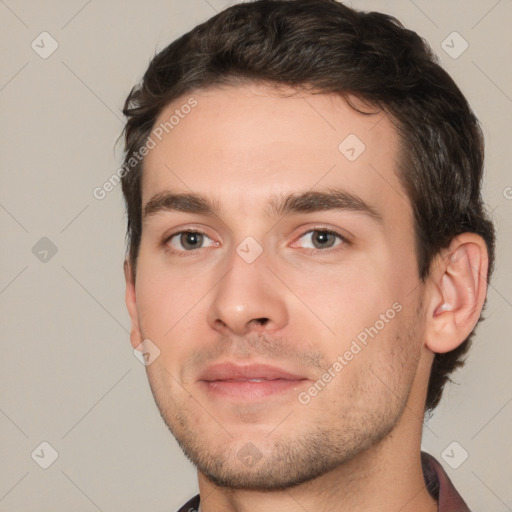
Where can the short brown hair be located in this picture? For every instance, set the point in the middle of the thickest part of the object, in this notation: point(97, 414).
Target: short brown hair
point(324, 46)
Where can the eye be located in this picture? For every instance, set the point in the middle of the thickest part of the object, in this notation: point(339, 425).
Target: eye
point(189, 241)
point(321, 239)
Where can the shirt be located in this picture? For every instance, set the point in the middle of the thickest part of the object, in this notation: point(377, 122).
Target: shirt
point(437, 481)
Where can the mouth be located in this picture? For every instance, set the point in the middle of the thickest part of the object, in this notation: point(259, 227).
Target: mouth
point(249, 382)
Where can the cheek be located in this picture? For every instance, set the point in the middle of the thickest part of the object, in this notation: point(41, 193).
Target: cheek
point(348, 300)
point(364, 311)
point(381, 373)
point(171, 306)
point(154, 302)
point(165, 295)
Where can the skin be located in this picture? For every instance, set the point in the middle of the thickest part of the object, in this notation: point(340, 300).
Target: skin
point(356, 444)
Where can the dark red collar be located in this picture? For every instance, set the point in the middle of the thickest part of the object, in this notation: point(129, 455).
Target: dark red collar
point(440, 486)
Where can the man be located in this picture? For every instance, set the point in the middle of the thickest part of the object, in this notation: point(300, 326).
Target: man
point(308, 254)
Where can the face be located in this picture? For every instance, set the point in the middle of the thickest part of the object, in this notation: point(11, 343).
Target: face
point(278, 279)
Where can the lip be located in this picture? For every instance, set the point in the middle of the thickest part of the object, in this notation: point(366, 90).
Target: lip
point(249, 382)
point(231, 371)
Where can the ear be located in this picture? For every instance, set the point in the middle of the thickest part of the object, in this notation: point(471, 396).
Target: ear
point(131, 305)
point(458, 289)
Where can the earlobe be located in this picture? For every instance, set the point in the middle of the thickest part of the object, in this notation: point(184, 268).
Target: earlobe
point(131, 305)
point(459, 284)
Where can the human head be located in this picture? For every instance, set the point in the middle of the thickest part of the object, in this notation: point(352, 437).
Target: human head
point(326, 47)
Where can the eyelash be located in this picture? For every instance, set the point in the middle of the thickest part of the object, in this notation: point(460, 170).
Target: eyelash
point(344, 240)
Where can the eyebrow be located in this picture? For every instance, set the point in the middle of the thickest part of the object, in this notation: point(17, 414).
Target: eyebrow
point(179, 202)
point(277, 206)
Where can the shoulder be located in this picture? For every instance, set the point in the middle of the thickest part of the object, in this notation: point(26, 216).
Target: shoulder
point(190, 506)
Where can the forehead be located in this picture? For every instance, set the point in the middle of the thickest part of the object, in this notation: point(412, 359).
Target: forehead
point(241, 145)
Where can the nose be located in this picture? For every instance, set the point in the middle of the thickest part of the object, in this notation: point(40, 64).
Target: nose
point(249, 298)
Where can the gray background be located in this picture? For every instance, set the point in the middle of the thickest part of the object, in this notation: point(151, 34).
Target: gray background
point(68, 374)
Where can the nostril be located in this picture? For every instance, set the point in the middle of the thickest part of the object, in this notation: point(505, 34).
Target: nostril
point(261, 321)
